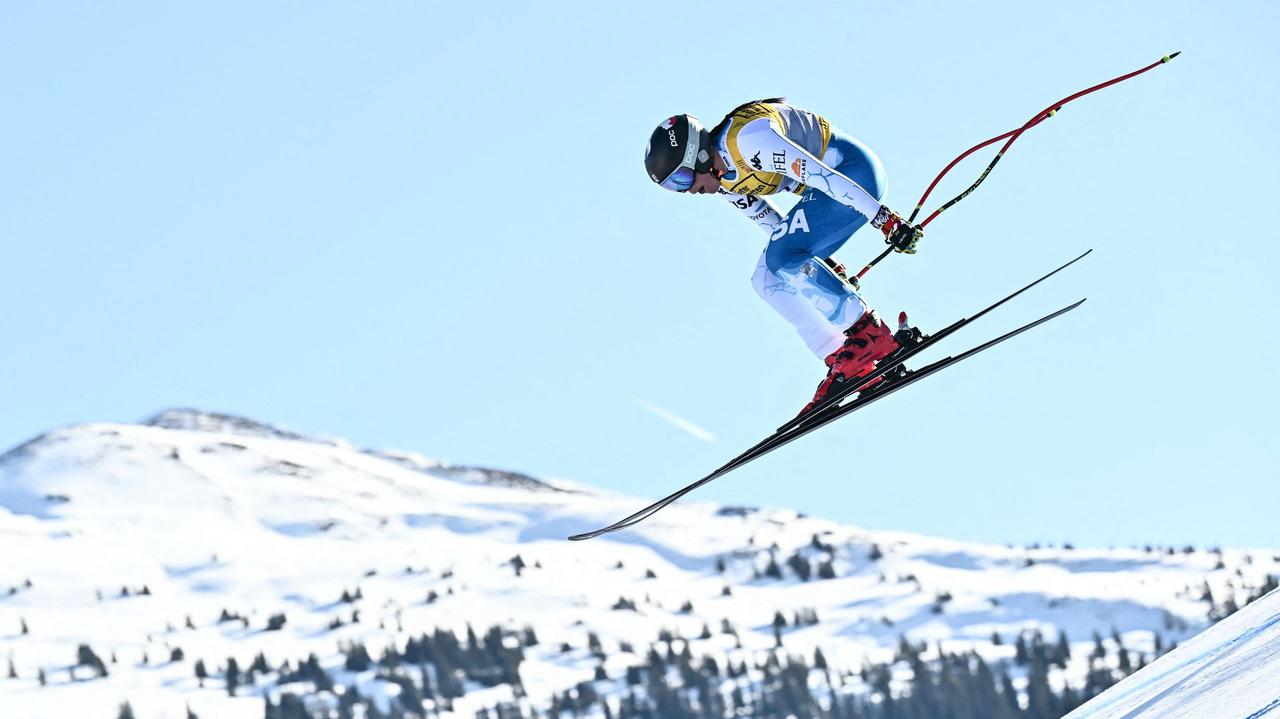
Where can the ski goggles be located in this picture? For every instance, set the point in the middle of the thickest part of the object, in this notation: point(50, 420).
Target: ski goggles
point(681, 179)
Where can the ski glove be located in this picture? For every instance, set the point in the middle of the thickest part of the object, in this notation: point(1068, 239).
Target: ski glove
point(905, 238)
point(902, 236)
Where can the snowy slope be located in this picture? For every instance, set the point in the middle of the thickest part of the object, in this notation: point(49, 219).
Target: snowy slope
point(1230, 670)
point(214, 514)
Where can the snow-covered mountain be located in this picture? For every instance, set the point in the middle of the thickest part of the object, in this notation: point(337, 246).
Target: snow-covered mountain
point(1231, 669)
point(154, 551)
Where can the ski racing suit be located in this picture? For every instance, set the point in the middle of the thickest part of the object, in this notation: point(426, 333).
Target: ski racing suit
point(773, 147)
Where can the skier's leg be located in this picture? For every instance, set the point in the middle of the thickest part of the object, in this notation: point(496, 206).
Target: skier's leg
point(797, 305)
point(811, 231)
point(826, 298)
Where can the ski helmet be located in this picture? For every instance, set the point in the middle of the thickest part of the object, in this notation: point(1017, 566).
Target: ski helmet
point(678, 148)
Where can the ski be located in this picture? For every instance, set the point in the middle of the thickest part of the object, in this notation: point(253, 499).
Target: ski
point(894, 361)
point(830, 414)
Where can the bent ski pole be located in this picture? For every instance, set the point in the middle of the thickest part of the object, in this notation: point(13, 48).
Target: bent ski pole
point(1012, 136)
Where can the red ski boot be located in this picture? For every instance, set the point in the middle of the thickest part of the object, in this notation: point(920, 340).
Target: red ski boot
point(867, 341)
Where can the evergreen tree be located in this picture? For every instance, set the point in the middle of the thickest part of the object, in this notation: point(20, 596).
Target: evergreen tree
point(201, 672)
point(1040, 700)
point(1009, 694)
point(232, 676)
point(1123, 660)
point(410, 698)
point(312, 671)
point(1229, 607)
point(85, 657)
point(800, 566)
point(1062, 653)
point(1020, 655)
point(357, 658)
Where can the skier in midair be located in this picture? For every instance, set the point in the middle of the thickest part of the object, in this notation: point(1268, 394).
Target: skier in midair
point(768, 146)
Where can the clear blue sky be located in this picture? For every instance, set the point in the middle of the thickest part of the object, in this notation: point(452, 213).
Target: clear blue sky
point(427, 227)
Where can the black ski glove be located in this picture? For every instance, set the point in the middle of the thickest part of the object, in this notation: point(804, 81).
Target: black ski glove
point(904, 238)
point(897, 232)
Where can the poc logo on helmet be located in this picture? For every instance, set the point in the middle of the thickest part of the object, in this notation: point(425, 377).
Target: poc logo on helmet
point(672, 134)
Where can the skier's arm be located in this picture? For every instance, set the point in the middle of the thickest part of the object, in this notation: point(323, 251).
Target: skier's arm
point(758, 209)
point(799, 164)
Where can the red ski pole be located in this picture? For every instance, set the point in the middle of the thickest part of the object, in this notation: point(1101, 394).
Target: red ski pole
point(1011, 136)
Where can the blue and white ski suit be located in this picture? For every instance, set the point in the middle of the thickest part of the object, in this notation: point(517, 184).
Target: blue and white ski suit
point(775, 147)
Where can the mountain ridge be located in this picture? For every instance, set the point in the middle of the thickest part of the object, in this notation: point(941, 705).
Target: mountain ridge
point(261, 522)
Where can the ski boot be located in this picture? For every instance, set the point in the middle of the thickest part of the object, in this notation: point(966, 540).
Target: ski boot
point(907, 337)
point(866, 342)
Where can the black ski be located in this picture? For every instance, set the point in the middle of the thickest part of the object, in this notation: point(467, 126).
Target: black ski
point(894, 361)
point(813, 422)
point(828, 415)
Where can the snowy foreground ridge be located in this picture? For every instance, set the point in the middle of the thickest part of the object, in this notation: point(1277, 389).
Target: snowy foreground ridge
point(204, 563)
point(1230, 670)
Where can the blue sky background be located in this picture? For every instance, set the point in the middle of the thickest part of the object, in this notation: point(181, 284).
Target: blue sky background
point(427, 227)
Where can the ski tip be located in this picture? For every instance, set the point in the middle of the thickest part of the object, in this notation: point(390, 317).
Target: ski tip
point(1171, 55)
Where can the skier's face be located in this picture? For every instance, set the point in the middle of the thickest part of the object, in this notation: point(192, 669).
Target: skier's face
point(709, 182)
point(703, 183)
